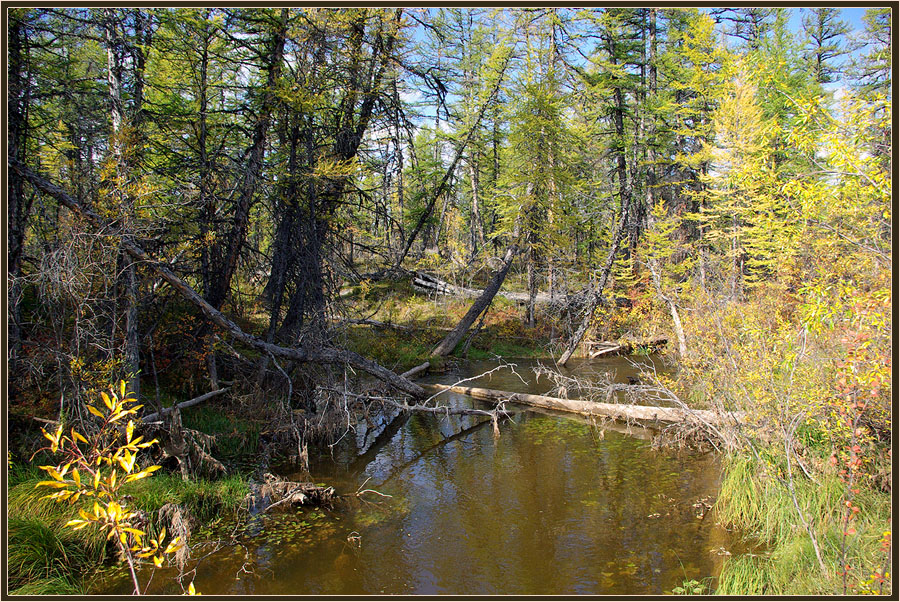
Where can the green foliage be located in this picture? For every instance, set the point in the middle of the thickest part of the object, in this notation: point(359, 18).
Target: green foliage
point(690, 587)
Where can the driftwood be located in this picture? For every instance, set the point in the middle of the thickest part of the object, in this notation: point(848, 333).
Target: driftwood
point(325, 355)
point(184, 404)
point(275, 492)
point(593, 408)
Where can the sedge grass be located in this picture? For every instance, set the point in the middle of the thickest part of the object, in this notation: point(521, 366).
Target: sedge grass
point(755, 502)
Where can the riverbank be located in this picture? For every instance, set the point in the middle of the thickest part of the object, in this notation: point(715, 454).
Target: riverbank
point(794, 502)
point(45, 557)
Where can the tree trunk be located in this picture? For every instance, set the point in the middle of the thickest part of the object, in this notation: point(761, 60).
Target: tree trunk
point(453, 338)
point(224, 270)
point(447, 174)
point(626, 201)
point(128, 279)
point(594, 408)
point(476, 225)
point(18, 206)
point(323, 354)
point(596, 296)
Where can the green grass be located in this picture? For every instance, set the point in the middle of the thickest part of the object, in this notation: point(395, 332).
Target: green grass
point(47, 558)
point(44, 556)
point(764, 509)
point(235, 436)
point(205, 499)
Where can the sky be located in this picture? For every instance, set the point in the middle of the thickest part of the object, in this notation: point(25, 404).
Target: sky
point(853, 16)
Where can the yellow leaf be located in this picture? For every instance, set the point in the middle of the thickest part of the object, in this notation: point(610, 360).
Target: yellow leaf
point(122, 389)
point(52, 439)
point(192, 591)
point(94, 411)
point(78, 436)
point(129, 430)
point(54, 484)
point(106, 400)
point(77, 477)
point(157, 561)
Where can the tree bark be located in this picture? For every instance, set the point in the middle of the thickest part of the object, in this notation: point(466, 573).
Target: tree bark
point(453, 338)
point(328, 355)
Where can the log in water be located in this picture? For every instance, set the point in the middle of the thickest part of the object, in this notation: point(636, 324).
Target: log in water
point(593, 408)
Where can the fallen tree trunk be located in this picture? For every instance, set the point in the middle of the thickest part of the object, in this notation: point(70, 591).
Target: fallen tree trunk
point(326, 355)
point(604, 351)
point(184, 404)
point(607, 347)
point(596, 296)
point(446, 346)
point(428, 283)
point(593, 408)
point(416, 370)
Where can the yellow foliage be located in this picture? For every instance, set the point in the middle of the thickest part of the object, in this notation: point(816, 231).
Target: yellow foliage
point(109, 512)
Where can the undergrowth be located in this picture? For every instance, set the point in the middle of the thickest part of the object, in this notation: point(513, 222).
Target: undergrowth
point(46, 558)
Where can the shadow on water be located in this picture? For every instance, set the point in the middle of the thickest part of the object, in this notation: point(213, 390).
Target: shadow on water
point(554, 505)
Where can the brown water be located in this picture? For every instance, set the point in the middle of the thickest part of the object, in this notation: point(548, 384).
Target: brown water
point(554, 505)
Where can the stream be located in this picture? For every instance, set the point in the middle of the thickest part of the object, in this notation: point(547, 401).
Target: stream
point(554, 505)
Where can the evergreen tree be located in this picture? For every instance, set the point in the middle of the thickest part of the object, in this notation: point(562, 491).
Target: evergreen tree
point(826, 37)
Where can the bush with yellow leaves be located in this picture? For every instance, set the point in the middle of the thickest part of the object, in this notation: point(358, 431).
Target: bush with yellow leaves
point(97, 467)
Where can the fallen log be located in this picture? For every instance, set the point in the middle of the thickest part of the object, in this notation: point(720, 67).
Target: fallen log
point(593, 408)
point(607, 347)
point(416, 370)
point(427, 283)
point(378, 324)
point(604, 351)
point(184, 404)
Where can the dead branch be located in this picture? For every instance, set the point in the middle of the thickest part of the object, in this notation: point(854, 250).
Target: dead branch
point(327, 355)
point(184, 404)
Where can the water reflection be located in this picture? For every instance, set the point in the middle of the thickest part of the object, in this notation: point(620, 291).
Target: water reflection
point(551, 506)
